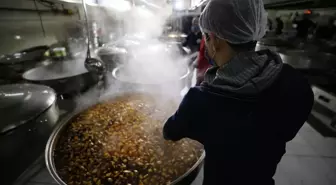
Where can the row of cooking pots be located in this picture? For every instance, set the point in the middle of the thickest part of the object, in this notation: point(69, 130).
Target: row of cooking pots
point(15, 67)
point(63, 76)
point(301, 59)
point(29, 128)
point(52, 66)
point(30, 112)
point(60, 74)
point(69, 74)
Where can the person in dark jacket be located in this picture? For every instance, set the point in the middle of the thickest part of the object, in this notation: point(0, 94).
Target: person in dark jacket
point(327, 32)
point(280, 26)
point(304, 26)
point(194, 38)
point(250, 103)
point(270, 24)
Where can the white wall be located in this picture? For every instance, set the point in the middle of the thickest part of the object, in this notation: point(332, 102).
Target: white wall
point(27, 25)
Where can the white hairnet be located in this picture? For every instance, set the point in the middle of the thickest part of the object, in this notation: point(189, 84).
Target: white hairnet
point(236, 21)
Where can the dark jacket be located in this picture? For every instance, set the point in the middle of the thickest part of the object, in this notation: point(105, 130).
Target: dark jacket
point(192, 41)
point(326, 32)
point(244, 136)
point(280, 26)
point(303, 27)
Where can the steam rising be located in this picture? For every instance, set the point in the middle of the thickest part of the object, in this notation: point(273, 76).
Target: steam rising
point(153, 61)
point(154, 66)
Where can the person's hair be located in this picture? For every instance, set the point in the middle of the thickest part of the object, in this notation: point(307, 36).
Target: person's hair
point(250, 46)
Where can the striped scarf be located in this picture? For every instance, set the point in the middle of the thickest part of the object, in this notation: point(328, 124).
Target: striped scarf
point(247, 73)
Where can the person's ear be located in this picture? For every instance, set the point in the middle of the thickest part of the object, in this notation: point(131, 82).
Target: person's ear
point(225, 45)
point(215, 42)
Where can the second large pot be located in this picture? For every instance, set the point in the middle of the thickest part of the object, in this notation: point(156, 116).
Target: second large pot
point(273, 44)
point(14, 65)
point(154, 84)
point(312, 61)
point(65, 77)
point(28, 115)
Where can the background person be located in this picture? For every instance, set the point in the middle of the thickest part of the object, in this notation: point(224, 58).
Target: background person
point(304, 26)
point(194, 37)
point(280, 26)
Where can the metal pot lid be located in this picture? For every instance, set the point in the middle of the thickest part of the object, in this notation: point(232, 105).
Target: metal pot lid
point(20, 103)
point(111, 50)
point(309, 60)
point(31, 54)
point(273, 42)
point(57, 70)
point(144, 77)
point(125, 42)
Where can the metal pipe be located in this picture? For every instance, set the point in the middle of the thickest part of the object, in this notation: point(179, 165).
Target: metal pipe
point(40, 16)
point(86, 17)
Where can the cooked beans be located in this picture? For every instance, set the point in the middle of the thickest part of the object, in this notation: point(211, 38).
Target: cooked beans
point(120, 142)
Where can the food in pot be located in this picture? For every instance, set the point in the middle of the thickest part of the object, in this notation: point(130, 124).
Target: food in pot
point(120, 142)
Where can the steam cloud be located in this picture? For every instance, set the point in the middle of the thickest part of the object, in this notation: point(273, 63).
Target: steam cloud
point(155, 66)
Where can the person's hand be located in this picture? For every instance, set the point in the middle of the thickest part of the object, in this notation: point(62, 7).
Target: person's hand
point(199, 78)
point(194, 65)
point(200, 75)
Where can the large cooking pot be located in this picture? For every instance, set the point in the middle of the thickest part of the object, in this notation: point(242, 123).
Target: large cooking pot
point(118, 52)
point(273, 44)
point(186, 178)
point(65, 77)
point(28, 114)
point(151, 84)
point(124, 50)
point(312, 61)
point(112, 56)
point(14, 65)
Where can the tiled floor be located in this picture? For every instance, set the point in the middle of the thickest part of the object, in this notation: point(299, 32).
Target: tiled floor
point(310, 160)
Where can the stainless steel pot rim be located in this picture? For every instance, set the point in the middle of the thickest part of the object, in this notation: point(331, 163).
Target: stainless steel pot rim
point(23, 56)
point(110, 51)
point(28, 74)
point(295, 51)
point(49, 151)
point(115, 70)
point(304, 53)
point(51, 79)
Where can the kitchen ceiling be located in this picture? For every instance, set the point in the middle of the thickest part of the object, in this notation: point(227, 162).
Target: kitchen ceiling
point(182, 4)
point(152, 2)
